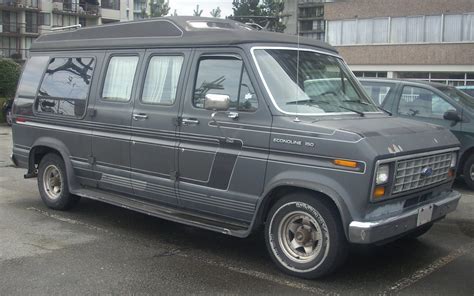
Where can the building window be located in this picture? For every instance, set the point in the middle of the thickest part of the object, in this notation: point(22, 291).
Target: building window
point(111, 4)
point(412, 29)
point(44, 19)
point(65, 86)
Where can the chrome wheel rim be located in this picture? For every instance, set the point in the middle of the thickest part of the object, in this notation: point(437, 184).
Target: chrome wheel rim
point(52, 182)
point(9, 117)
point(301, 237)
point(471, 172)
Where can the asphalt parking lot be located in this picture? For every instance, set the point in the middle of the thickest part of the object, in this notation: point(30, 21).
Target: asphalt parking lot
point(99, 248)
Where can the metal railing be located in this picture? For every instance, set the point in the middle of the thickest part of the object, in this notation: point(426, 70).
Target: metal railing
point(20, 3)
point(76, 8)
point(14, 53)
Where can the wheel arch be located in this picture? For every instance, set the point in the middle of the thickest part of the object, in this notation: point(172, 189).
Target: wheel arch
point(464, 157)
point(279, 189)
point(45, 145)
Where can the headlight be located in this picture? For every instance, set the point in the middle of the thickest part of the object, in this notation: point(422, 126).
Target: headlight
point(453, 159)
point(382, 174)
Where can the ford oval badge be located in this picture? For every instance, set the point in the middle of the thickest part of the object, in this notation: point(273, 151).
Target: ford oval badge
point(426, 172)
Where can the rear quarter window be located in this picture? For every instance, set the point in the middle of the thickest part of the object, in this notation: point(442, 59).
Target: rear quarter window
point(65, 86)
point(31, 76)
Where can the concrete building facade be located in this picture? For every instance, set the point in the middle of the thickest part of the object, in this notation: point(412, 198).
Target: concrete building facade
point(21, 21)
point(414, 39)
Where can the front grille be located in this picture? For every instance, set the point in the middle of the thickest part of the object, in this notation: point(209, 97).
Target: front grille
point(409, 173)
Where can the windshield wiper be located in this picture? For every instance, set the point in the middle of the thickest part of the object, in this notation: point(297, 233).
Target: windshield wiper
point(306, 101)
point(357, 101)
point(386, 111)
point(355, 111)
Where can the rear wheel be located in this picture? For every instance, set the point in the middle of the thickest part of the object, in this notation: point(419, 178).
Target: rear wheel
point(304, 236)
point(52, 183)
point(468, 172)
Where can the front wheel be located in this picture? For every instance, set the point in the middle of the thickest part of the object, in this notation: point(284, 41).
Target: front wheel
point(304, 236)
point(468, 172)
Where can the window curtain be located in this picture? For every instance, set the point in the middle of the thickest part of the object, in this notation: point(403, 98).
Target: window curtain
point(468, 27)
point(415, 29)
point(433, 28)
point(452, 28)
point(334, 32)
point(349, 32)
point(380, 30)
point(162, 79)
point(119, 80)
point(364, 31)
point(398, 30)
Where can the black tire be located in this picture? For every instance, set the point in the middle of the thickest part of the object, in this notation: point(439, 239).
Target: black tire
point(418, 232)
point(467, 169)
point(8, 116)
point(55, 191)
point(328, 236)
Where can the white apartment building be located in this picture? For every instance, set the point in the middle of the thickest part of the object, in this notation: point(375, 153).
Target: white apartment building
point(21, 21)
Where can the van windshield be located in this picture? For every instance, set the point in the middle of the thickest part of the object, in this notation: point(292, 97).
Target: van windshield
point(318, 84)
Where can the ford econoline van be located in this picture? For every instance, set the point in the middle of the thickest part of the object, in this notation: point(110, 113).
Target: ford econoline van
point(208, 123)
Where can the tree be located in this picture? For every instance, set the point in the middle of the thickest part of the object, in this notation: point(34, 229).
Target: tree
point(196, 11)
point(216, 12)
point(267, 15)
point(159, 8)
point(9, 75)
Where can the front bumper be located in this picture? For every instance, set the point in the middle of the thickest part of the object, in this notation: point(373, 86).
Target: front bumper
point(379, 230)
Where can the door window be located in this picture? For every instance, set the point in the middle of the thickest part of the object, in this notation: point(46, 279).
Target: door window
point(377, 91)
point(65, 86)
point(420, 102)
point(226, 76)
point(119, 78)
point(161, 82)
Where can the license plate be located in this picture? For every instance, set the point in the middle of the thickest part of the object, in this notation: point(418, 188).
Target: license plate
point(425, 214)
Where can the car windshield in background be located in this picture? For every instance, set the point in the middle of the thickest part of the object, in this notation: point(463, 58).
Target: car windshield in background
point(318, 84)
point(459, 96)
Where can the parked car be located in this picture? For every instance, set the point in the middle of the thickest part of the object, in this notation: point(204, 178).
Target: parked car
point(7, 111)
point(468, 89)
point(433, 103)
point(208, 123)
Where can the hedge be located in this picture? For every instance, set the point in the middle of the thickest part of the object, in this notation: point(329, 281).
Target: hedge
point(9, 75)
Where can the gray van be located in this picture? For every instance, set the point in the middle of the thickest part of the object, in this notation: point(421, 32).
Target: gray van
point(207, 122)
point(434, 103)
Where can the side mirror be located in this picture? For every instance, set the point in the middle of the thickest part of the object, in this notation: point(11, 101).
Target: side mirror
point(215, 102)
point(452, 115)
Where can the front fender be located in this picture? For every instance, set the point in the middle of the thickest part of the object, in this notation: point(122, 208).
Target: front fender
point(314, 182)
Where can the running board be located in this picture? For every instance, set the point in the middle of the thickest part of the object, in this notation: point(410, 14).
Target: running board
point(168, 213)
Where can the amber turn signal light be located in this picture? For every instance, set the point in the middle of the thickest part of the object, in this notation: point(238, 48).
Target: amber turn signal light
point(379, 191)
point(345, 163)
point(451, 173)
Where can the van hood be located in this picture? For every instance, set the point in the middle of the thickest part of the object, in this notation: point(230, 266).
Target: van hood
point(385, 135)
point(394, 135)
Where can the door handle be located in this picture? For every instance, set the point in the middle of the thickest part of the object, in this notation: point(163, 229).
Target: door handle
point(140, 116)
point(189, 121)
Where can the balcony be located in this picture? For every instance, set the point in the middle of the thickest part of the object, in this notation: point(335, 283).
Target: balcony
point(73, 8)
point(14, 53)
point(311, 3)
point(19, 4)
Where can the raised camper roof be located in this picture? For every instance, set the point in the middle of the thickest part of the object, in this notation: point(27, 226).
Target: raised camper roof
point(166, 31)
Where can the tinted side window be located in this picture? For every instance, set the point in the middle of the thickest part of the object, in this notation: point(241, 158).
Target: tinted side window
point(65, 86)
point(161, 82)
point(119, 78)
point(31, 76)
point(226, 76)
point(420, 102)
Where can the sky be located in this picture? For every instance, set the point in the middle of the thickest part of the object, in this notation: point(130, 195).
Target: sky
point(186, 7)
